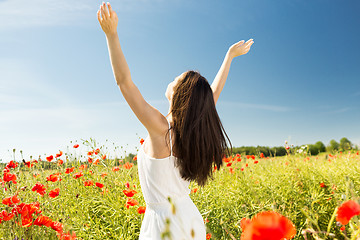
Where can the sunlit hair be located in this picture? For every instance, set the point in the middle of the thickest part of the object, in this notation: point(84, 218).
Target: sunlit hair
point(199, 135)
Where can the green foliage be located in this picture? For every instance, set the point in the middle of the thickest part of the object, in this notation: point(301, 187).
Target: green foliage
point(333, 146)
point(267, 151)
point(345, 144)
point(320, 146)
point(289, 185)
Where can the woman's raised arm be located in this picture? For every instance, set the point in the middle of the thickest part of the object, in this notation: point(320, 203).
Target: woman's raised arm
point(237, 49)
point(149, 116)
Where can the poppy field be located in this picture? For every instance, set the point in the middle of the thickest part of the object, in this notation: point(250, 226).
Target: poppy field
point(87, 192)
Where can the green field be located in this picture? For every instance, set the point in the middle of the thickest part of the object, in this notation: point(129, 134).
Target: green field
point(306, 189)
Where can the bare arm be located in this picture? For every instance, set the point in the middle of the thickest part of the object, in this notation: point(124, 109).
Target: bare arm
point(235, 50)
point(149, 116)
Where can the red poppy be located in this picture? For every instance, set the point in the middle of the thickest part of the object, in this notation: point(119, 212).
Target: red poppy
point(194, 190)
point(96, 161)
point(267, 225)
point(82, 167)
point(115, 169)
point(54, 193)
point(141, 210)
point(104, 174)
point(5, 216)
point(76, 146)
point(88, 183)
point(132, 202)
point(231, 170)
point(128, 165)
point(322, 185)
point(208, 236)
point(57, 226)
point(43, 221)
point(244, 222)
point(347, 210)
point(256, 161)
point(26, 211)
point(69, 170)
point(9, 177)
point(52, 177)
point(39, 188)
point(135, 158)
point(78, 175)
point(12, 164)
point(26, 221)
point(66, 236)
point(10, 201)
point(129, 193)
point(127, 185)
point(229, 164)
point(50, 158)
point(29, 164)
point(262, 155)
point(141, 141)
point(90, 160)
point(100, 185)
point(59, 154)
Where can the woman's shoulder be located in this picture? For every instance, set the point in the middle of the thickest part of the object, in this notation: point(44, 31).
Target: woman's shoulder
point(161, 130)
point(157, 145)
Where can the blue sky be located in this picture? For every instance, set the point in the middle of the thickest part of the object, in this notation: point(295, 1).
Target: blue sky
point(300, 81)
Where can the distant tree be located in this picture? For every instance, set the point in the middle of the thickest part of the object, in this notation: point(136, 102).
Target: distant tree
point(320, 146)
point(313, 149)
point(345, 144)
point(333, 146)
point(278, 151)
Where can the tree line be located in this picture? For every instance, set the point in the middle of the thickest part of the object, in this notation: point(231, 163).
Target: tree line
point(313, 149)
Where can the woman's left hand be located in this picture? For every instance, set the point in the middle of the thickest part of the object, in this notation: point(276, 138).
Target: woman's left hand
point(108, 19)
point(240, 48)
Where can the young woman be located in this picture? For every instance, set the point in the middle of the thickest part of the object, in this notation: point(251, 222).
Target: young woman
point(169, 160)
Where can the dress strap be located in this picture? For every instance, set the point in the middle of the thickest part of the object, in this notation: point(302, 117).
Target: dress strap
point(170, 139)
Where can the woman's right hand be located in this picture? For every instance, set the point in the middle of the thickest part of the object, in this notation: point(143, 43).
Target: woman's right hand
point(108, 19)
point(240, 48)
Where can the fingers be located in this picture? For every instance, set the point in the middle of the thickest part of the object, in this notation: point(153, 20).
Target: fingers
point(110, 9)
point(98, 16)
point(104, 11)
point(240, 42)
point(249, 43)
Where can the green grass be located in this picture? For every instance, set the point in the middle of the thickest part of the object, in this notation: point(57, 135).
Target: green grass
point(289, 185)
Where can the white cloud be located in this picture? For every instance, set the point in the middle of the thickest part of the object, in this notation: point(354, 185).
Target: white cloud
point(337, 111)
point(26, 13)
point(23, 13)
point(22, 86)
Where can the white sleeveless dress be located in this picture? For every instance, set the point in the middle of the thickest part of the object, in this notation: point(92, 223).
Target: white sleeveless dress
point(159, 178)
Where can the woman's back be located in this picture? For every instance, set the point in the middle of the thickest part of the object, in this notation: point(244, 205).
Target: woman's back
point(159, 180)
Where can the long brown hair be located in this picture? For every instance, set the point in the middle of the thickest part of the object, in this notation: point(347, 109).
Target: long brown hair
point(199, 135)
